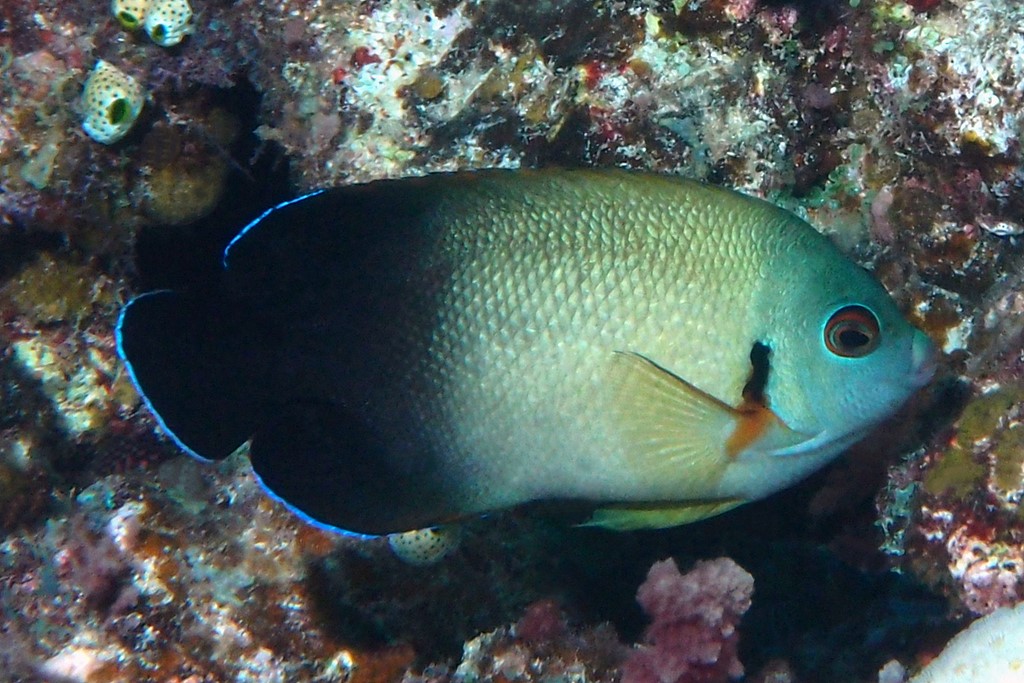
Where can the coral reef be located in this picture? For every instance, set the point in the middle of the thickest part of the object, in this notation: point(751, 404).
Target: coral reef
point(962, 530)
point(894, 126)
point(541, 646)
point(951, 510)
point(102, 590)
point(56, 180)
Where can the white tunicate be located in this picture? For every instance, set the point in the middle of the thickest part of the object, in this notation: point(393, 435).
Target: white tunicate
point(111, 102)
point(130, 13)
point(168, 21)
point(424, 546)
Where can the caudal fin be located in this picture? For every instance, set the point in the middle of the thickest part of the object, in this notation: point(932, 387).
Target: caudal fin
point(197, 369)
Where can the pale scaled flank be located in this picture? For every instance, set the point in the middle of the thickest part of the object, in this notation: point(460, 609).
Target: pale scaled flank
point(991, 650)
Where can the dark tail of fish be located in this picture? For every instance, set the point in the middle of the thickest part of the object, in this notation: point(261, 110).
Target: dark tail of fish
point(197, 365)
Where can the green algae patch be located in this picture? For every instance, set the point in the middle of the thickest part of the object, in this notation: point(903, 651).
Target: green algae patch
point(50, 290)
point(1008, 458)
point(982, 415)
point(957, 473)
point(988, 447)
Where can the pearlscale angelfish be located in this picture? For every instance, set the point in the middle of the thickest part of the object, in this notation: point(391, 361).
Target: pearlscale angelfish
point(407, 353)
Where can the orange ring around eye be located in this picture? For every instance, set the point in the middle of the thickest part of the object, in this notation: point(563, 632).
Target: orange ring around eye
point(852, 332)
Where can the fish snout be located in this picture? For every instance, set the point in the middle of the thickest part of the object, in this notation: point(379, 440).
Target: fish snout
point(924, 359)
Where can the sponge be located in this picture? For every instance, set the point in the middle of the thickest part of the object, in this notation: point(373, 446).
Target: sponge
point(989, 650)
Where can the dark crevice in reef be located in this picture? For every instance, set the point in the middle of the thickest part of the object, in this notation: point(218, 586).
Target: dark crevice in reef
point(176, 256)
point(18, 247)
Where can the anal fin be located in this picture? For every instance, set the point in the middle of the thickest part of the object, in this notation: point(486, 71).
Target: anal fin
point(659, 516)
point(197, 365)
point(330, 467)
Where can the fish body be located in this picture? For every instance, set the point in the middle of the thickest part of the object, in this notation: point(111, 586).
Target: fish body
point(409, 352)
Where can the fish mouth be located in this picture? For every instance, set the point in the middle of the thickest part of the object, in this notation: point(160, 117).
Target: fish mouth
point(924, 359)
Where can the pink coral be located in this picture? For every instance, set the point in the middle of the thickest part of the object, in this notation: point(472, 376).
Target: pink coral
point(692, 637)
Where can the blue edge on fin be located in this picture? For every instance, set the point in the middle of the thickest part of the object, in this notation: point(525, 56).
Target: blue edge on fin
point(118, 337)
point(259, 219)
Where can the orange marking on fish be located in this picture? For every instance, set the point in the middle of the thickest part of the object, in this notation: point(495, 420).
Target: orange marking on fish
point(754, 420)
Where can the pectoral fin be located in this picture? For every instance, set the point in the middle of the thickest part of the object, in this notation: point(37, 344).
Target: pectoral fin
point(669, 425)
point(659, 517)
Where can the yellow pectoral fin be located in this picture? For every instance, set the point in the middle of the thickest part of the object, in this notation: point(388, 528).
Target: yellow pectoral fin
point(659, 516)
point(668, 425)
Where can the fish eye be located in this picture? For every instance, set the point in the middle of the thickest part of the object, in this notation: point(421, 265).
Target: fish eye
point(852, 332)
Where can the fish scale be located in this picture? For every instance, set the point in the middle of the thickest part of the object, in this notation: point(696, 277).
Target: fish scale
point(512, 294)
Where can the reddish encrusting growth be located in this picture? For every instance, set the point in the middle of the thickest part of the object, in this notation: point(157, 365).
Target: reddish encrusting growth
point(693, 636)
point(363, 56)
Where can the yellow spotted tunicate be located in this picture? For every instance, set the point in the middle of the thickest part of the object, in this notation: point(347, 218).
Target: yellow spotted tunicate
point(425, 546)
point(130, 13)
point(168, 21)
point(111, 102)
